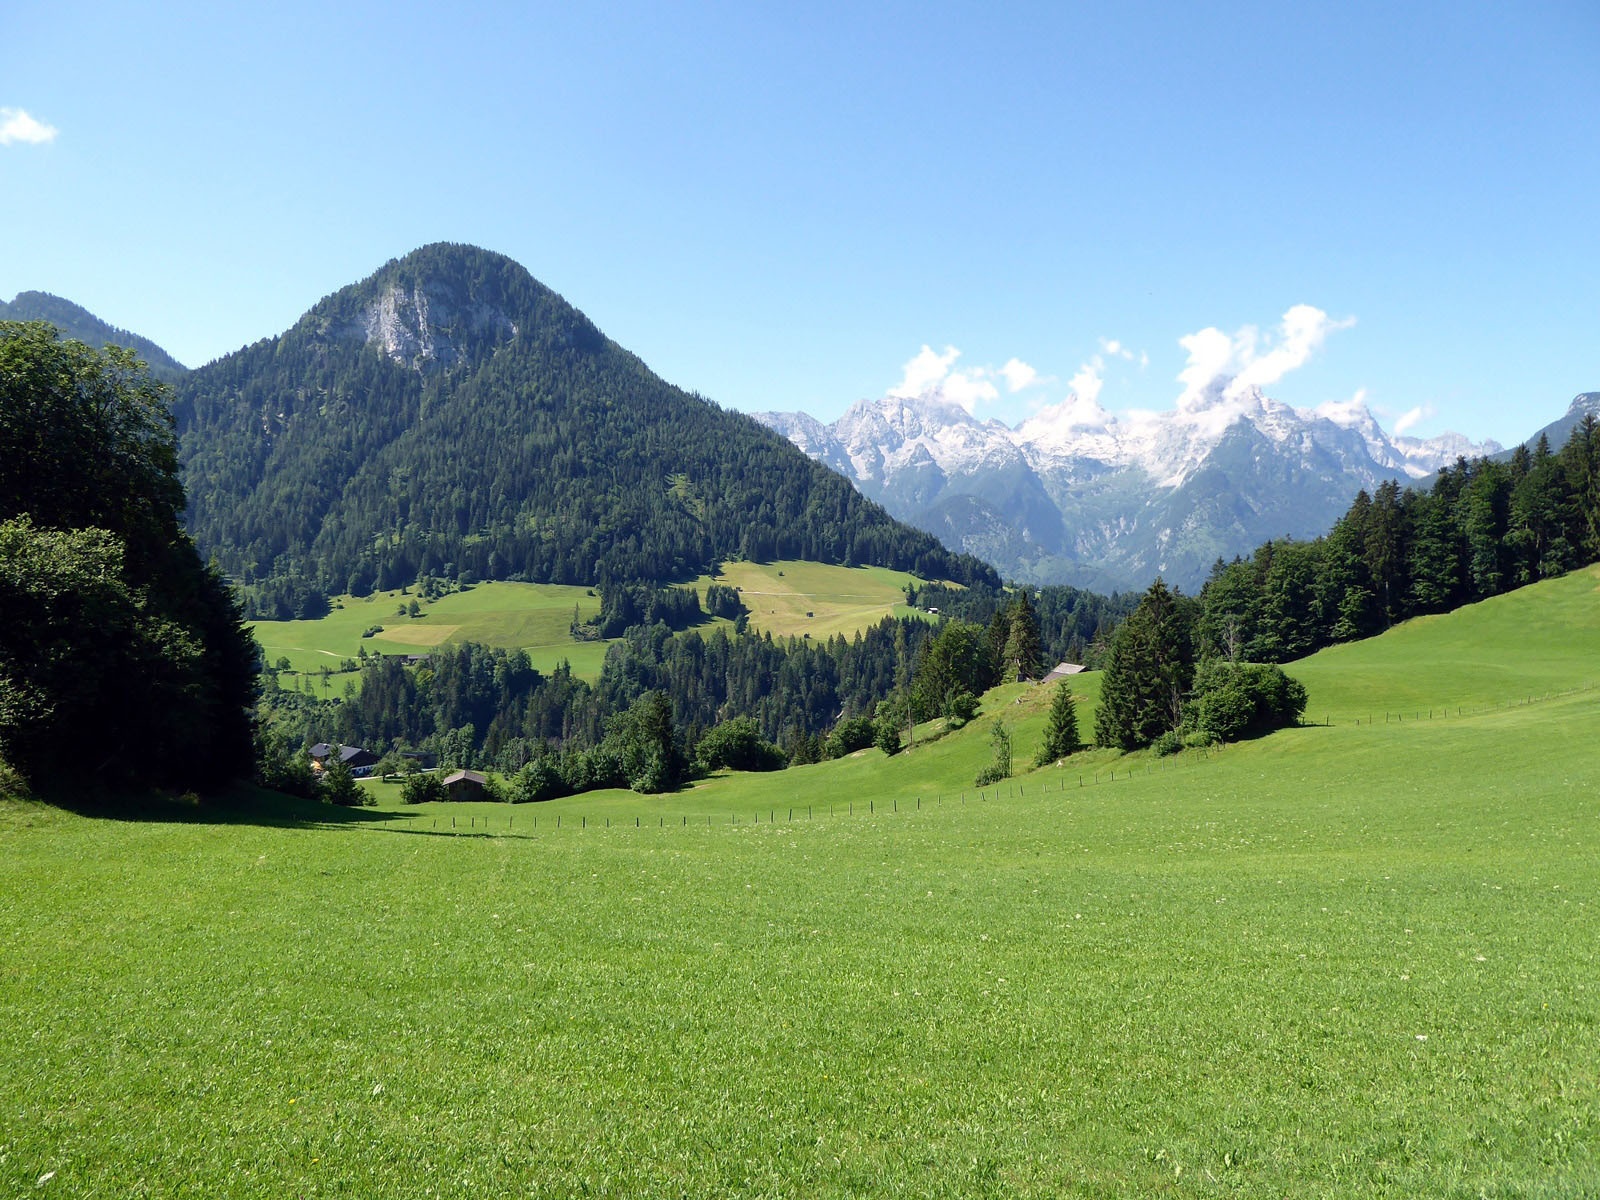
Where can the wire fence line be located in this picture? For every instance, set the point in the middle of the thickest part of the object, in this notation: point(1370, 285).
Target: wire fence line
point(1056, 779)
point(525, 824)
point(1415, 712)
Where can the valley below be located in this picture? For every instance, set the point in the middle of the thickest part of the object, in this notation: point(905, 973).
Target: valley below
point(1359, 952)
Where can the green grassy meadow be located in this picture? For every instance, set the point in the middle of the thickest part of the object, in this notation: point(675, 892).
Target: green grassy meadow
point(790, 598)
point(537, 617)
point(533, 616)
point(1505, 650)
point(1346, 960)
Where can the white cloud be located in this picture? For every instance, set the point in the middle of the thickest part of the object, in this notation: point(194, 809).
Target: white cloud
point(16, 125)
point(925, 372)
point(969, 389)
point(1351, 414)
point(1115, 348)
point(1412, 417)
point(1086, 384)
point(1211, 355)
point(933, 373)
point(1018, 375)
point(1250, 359)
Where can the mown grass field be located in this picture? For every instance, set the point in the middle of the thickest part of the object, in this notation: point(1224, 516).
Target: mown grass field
point(1356, 960)
point(791, 599)
point(1509, 649)
point(534, 616)
point(537, 617)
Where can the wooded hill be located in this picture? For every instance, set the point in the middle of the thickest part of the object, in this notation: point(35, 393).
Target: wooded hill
point(452, 416)
point(78, 323)
point(1484, 527)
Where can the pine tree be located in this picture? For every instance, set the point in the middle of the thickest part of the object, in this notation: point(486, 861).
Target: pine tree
point(1022, 641)
point(1061, 736)
point(1383, 551)
point(1147, 674)
point(339, 786)
point(994, 644)
point(1435, 557)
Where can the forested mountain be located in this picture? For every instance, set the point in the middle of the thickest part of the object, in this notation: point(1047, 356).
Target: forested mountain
point(452, 416)
point(1584, 404)
point(82, 325)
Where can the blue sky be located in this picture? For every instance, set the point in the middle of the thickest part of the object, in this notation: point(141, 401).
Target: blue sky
point(780, 206)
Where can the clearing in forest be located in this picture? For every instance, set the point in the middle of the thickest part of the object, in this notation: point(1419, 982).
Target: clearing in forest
point(536, 617)
point(792, 598)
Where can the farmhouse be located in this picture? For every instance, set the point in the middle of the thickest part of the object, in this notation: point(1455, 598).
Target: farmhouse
point(358, 760)
point(465, 785)
point(1061, 671)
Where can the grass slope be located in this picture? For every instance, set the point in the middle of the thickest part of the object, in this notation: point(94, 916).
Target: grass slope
point(537, 616)
point(791, 598)
point(533, 616)
point(1347, 960)
point(1516, 647)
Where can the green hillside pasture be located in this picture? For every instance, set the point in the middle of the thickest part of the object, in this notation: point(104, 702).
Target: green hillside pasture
point(1506, 650)
point(1354, 961)
point(534, 616)
point(791, 599)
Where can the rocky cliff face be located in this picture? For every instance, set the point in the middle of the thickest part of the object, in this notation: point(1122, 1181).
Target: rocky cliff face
point(429, 325)
point(1078, 495)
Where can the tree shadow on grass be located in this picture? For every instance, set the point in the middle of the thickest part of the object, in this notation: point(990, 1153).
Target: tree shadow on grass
point(240, 804)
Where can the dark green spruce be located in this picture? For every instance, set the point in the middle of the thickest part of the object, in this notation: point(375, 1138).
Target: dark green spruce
point(1484, 527)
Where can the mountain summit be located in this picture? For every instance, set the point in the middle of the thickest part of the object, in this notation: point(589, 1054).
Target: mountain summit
point(450, 415)
point(76, 322)
point(1075, 494)
point(1584, 404)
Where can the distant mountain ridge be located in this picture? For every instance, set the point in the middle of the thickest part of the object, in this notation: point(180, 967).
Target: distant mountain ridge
point(450, 415)
point(1584, 404)
point(1077, 495)
point(82, 325)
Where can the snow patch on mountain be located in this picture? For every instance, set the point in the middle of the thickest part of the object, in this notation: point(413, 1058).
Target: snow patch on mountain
point(1135, 491)
point(877, 437)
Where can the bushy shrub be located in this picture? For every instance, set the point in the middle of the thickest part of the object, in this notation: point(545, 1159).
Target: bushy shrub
point(737, 744)
point(1168, 743)
point(850, 735)
point(960, 706)
point(538, 780)
point(586, 770)
point(283, 765)
point(12, 784)
point(1233, 700)
point(423, 787)
point(1000, 768)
